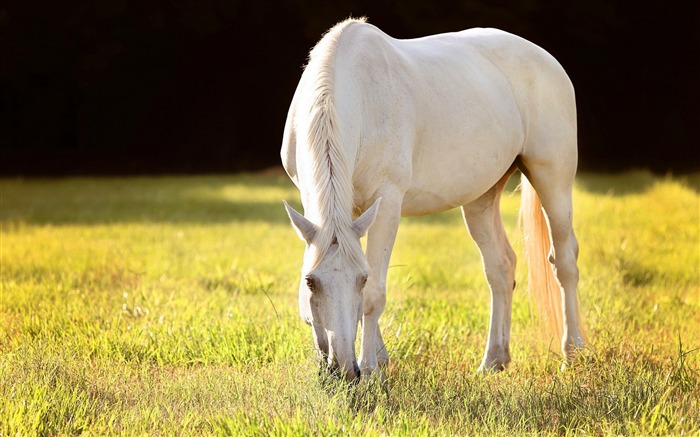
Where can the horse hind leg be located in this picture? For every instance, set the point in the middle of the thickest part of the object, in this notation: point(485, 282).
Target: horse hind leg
point(553, 183)
point(483, 220)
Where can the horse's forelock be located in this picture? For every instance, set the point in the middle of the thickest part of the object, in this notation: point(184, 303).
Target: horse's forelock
point(348, 247)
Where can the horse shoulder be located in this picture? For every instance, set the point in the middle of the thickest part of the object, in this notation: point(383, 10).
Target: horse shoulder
point(371, 98)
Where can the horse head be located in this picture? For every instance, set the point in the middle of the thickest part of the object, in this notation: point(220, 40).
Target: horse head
point(331, 291)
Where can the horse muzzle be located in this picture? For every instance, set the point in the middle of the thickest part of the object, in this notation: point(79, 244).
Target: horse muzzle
point(347, 373)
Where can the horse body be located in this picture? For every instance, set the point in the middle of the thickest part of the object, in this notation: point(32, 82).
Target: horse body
point(427, 125)
point(441, 121)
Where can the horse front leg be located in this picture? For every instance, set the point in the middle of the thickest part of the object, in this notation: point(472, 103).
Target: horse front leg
point(380, 242)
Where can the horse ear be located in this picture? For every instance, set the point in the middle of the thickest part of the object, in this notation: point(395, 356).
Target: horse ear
point(364, 221)
point(305, 229)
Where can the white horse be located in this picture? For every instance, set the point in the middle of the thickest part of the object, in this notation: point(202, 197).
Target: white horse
point(379, 128)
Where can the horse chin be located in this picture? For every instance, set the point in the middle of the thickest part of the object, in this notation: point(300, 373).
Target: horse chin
point(332, 371)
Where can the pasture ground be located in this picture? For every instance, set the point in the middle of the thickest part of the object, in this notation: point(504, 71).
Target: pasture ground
point(167, 306)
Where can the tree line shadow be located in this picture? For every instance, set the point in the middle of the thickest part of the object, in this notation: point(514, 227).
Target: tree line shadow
point(631, 182)
point(201, 199)
point(178, 199)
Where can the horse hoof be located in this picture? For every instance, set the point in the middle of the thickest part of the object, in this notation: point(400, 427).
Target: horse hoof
point(494, 366)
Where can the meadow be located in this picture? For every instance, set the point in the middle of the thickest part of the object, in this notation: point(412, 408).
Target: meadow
point(167, 306)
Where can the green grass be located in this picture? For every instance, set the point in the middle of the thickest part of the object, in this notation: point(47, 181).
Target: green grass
point(168, 306)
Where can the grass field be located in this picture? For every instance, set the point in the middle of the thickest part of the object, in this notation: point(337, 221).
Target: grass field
point(167, 306)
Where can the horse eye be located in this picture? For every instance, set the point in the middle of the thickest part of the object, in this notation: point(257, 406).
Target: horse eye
point(310, 283)
point(363, 281)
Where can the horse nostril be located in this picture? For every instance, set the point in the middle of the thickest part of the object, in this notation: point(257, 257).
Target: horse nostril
point(334, 370)
point(357, 370)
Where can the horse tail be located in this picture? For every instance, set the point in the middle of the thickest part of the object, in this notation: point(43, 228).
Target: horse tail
point(545, 292)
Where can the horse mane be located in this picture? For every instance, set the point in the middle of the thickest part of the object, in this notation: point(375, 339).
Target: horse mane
point(331, 174)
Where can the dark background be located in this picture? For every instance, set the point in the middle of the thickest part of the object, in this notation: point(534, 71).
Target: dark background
point(178, 86)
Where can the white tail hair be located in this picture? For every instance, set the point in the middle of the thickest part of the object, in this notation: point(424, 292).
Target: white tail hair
point(545, 290)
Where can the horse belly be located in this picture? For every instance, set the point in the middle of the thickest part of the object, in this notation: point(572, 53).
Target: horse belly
point(458, 160)
point(453, 192)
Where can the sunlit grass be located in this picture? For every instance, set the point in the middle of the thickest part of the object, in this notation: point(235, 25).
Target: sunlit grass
point(168, 306)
